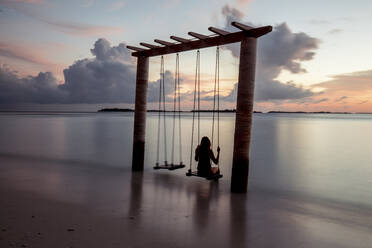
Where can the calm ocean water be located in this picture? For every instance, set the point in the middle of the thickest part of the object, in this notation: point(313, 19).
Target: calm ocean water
point(322, 155)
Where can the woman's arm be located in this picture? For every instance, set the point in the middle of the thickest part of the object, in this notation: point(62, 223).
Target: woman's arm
point(197, 153)
point(211, 155)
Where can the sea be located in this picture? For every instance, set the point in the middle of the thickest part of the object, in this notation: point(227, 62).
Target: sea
point(326, 156)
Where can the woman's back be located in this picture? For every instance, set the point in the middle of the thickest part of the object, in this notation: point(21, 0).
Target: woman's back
point(204, 161)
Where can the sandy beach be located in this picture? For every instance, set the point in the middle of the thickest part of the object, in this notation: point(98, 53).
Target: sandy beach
point(56, 203)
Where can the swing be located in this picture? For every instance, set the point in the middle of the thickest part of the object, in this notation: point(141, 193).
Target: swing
point(177, 99)
point(196, 108)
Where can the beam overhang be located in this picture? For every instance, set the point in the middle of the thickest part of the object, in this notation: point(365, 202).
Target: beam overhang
point(138, 49)
point(241, 26)
point(187, 45)
point(198, 36)
point(164, 43)
point(179, 39)
point(218, 31)
point(148, 45)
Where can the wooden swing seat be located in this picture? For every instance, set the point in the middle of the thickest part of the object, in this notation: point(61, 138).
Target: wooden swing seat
point(211, 177)
point(169, 166)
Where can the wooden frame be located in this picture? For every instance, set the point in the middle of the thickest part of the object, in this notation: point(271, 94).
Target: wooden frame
point(221, 37)
point(245, 92)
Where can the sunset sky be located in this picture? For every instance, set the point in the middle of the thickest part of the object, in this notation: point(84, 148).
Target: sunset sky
point(71, 55)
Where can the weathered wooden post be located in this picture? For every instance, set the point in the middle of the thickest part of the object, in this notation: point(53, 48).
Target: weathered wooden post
point(139, 129)
point(244, 113)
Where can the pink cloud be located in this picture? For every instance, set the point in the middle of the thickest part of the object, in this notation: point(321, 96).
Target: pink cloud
point(30, 58)
point(87, 3)
point(12, 51)
point(67, 27)
point(356, 82)
point(117, 5)
point(350, 92)
point(78, 29)
point(243, 2)
point(28, 1)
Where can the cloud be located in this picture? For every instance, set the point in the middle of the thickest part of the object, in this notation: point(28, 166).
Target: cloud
point(109, 77)
point(341, 98)
point(27, 1)
point(231, 14)
point(87, 3)
point(319, 22)
point(67, 27)
point(115, 6)
point(352, 91)
point(273, 90)
point(356, 87)
point(243, 2)
point(334, 31)
point(320, 100)
point(153, 88)
point(79, 29)
point(39, 89)
point(279, 50)
point(12, 51)
point(357, 82)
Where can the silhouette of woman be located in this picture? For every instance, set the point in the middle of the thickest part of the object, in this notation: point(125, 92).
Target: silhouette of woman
point(204, 155)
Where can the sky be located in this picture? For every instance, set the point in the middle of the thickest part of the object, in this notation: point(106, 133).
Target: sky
point(72, 55)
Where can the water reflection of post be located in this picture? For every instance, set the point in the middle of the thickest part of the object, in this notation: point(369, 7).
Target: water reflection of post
point(135, 200)
point(205, 194)
point(238, 221)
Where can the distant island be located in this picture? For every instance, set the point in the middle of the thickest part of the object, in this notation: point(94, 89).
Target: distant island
point(155, 110)
point(304, 112)
point(228, 111)
point(115, 110)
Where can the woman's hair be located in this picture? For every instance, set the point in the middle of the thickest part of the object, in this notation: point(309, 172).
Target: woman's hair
point(205, 143)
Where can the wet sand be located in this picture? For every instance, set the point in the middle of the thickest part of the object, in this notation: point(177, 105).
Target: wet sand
point(57, 203)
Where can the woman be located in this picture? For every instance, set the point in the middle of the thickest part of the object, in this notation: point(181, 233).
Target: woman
point(204, 154)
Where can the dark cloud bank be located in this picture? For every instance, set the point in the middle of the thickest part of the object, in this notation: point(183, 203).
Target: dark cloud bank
point(109, 77)
point(279, 50)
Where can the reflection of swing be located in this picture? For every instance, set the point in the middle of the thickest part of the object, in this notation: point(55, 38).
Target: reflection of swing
point(177, 98)
point(196, 109)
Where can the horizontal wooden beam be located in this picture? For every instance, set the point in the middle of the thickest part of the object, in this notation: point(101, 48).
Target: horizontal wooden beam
point(187, 45)
point(198, 36)
point(218, 31)
point(241, 26)
point(164, 43)
point(136, 48)
point(179, 39)
point(148, 45)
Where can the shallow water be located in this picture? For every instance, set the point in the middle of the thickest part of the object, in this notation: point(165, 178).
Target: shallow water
point(327, 156)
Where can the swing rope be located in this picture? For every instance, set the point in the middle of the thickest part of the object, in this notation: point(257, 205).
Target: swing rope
point(216, 93)
point(179, 107)
point(196, 88)
point(160, 111)
point(174, 112)
point(164, 113)
point(177, 99)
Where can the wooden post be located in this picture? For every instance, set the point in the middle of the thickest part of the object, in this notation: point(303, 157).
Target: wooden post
point(139, 129)
point(244, 113)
